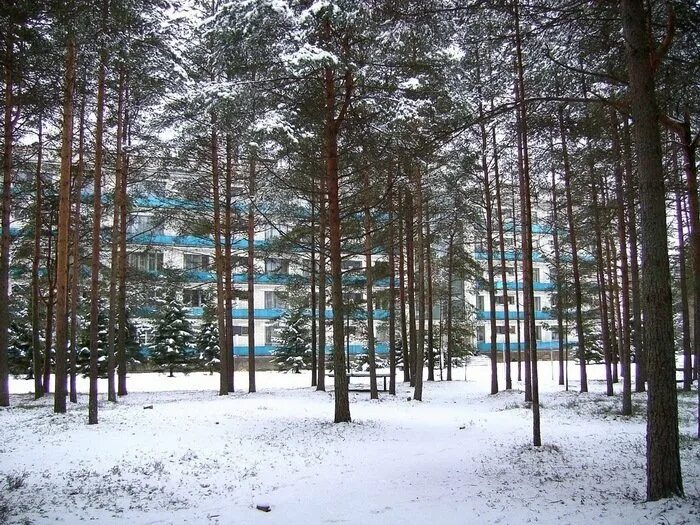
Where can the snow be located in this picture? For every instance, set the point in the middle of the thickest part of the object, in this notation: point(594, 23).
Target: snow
point(460, 456)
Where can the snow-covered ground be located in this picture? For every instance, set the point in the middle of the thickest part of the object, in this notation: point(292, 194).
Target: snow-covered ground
point(461, 456)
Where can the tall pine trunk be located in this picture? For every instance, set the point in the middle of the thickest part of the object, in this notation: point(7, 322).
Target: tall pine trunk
point(578, 296)
point(663, 458)
point(624, 269)
point(5, 240)
point(251, 274)
point(373, 394)
point(75, 267)
point(96, 229)
point(332, 126)
point(36, 261)
point(64, 212)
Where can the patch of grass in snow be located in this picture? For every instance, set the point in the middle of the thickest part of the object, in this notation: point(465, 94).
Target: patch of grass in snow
point(16, 480)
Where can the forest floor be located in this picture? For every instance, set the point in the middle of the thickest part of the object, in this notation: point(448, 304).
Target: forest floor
point(461, 456)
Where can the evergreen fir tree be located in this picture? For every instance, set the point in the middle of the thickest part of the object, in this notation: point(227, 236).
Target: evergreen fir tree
point(292, 342)
point(83, 358)
point(208, 340)
point(20, 349)
point(173, 338)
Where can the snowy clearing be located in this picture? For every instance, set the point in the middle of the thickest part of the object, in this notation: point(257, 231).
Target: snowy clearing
point(461, 456)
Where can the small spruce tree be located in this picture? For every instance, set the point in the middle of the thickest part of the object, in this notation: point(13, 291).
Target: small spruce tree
point(292, 351)
point(208, 340)
point(20, 349)
point(173, 337)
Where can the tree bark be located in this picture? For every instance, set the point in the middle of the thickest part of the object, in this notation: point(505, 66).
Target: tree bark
point(663, 458)
point(251, 275)
point(224, 351)
point(504, 277)
point(36, 261)
point(602, 292)
point(402, 295)
point(5, 240)
point(97, 228)
point(429, 296)
point(75, 266)
point(373, 393)
point(420, 348)
point(123, 332)
point(392, 290)
point(63, 241)
point(624, 269)
point(116, 228)
point(574, 254)
point(322, 226)
point(332, 126)
point(637, 336)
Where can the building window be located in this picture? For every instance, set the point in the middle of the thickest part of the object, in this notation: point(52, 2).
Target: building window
point(194, 297)
point(555, 335)
point(536, 275)
point(349, 265)
point(538, 332)
point(278, 266)
point(144, 224)
point(480, 334)
point(240, 262)
point(353, 298)
point(480, 303)
point(275, 300)
point(269, 333)
point(499, 299)
point(150, 261)
point(538, 304)
point(240, 330)
point(196, 261)
point(501, 329)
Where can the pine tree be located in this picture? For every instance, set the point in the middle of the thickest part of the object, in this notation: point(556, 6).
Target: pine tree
point(173, 337)
point(292, 343)
point(208, 341)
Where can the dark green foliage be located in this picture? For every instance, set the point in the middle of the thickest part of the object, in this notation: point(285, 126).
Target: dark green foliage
point(292, 342)
point(134, 353)
point(208, 341)
point(173, 338)
point(20, 349)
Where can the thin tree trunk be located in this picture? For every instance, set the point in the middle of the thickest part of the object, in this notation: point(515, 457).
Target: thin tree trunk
point(96, 229)
point(50, 300)
point(517, 288)
point(663, 459)
point(410, 285)
point(558, 275)
point(624, 265)
point(429, 281)
point(5, 240)
point(75, 267)
point(602, 292)
point(36, 261)
point(116, 228)
point(490, 255)
point(123, 332)
point(527, 229)
point(528, 312)
point(332, 127)
point(221, 313)
point(64, 230)
point(574, 254)
point(322, 226)
point(420, 349)
point(228, 267)
point(313, 298)
point(373, 393)
point(450, 275)
point(685, 310)
point(402, 296)
point(251, 276)
point(504, 277)
point(392, 290)
point(635, 287)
